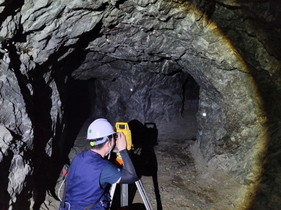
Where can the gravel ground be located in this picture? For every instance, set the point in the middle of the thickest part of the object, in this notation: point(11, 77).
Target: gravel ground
point(182, 188)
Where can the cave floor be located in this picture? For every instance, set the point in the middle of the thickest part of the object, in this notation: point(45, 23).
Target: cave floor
point(180, 185)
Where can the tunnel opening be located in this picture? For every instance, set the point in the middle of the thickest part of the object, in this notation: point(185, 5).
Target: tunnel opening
point(166, 99)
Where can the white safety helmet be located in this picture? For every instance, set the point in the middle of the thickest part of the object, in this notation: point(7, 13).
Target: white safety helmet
point(99, 128)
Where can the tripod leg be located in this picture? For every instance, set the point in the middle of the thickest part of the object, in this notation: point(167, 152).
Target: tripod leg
point(111, 192)
point(157, 193)
point(143, 195)
point(124, 195)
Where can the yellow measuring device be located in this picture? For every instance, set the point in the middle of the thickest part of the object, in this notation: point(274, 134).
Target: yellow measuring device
point(124, 127)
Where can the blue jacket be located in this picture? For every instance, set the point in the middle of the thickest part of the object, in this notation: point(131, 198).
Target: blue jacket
point(83, 185)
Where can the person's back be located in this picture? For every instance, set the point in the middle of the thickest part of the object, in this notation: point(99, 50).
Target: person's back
point(90, 175)
point(83, 187)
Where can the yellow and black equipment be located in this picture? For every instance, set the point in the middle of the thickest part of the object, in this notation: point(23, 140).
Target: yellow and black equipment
point(124, 201)
point(124, 127)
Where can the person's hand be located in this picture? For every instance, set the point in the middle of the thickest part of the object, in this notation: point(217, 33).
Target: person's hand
point(121, 142)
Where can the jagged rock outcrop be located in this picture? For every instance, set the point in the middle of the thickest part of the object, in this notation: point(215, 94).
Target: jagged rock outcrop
point(135, 57)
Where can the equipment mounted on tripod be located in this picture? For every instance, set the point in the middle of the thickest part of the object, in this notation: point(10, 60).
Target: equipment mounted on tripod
point(124, 199)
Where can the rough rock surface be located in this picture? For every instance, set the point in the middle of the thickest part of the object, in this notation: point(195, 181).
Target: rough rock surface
point(133, 59)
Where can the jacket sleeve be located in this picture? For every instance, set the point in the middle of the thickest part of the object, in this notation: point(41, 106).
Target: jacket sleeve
point(129, 174)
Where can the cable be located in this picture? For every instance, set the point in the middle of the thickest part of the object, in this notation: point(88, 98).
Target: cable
point(60, 189)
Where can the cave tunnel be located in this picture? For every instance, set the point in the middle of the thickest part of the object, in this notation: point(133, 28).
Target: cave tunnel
point(207, 73)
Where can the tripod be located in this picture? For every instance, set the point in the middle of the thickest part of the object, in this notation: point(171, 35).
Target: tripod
point(125, 194)
point(124, 199)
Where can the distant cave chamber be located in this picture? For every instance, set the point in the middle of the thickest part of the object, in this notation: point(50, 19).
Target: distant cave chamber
point(161, 99)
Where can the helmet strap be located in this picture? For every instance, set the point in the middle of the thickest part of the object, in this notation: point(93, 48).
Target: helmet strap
point(93, 143)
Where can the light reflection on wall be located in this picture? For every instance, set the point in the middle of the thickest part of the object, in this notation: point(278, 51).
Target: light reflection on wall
point(260, 148)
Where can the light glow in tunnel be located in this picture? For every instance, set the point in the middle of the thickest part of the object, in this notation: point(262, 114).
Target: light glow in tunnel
point(259, 151)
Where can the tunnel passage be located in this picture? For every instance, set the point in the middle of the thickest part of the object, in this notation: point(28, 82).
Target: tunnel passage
point(230, 48)
point(165, 100)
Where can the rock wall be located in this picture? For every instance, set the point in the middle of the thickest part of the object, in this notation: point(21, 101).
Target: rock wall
point(231, 48)
point(146, 97)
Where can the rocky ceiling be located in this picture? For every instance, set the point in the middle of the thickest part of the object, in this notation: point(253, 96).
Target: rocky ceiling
point(63, 62)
